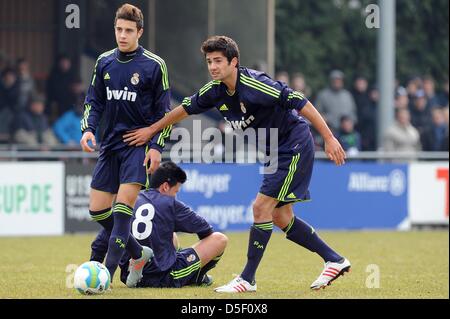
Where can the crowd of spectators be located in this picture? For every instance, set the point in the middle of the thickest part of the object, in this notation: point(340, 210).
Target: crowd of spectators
point(51, 115)
point(40, 117)
point(421, 113)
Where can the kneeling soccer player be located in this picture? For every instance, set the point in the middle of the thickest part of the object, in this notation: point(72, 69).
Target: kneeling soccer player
point(157, 216)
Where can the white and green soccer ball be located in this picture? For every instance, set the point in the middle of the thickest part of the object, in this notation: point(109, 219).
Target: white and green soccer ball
point(92, 278)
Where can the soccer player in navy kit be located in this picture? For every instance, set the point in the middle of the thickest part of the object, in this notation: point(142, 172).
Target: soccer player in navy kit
point(130, 87)
point(251, 99)
point(157, 215)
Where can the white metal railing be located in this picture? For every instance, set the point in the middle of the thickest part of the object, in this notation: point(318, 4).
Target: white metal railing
point(15, 152)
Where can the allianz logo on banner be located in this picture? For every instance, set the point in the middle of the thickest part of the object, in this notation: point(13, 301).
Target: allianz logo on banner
point(394, 183)
point(207, 184)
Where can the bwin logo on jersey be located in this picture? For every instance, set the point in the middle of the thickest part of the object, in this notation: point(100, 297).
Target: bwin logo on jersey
point(240, 125)
point(124, 94)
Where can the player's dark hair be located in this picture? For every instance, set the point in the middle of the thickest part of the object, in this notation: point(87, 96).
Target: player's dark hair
point(130, 13)
point(223, 44)
point(167, 172)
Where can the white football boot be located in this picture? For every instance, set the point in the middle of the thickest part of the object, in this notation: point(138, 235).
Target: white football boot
point(237, 285)
point(331, 272)
point(136, 267)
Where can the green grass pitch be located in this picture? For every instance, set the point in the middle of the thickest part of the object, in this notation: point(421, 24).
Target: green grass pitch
point(404, 264)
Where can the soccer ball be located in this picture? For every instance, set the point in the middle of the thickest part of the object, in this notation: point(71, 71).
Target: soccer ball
point(92, 278)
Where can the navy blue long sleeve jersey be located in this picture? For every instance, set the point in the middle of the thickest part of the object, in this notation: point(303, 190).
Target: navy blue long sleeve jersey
point(258, 102)
point(157, 217)
point(132, 94)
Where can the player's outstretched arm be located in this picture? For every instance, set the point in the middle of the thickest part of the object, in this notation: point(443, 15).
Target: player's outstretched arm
point(141, 136)
point(333, 148)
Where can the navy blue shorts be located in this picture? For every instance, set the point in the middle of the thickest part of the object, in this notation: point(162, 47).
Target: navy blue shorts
point(120, 167)
point(290, 182)
point(184, 272)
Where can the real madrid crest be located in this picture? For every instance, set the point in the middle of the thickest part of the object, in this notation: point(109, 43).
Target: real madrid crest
point(243, 109)
point(135, 79)
point(191, 258)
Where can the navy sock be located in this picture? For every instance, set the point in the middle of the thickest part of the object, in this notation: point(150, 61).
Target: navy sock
point(103, 217)
point(259, 237)
point(106, 219)
point(210, 265)
point(119, 236)
point(133, 247)
point(303, 234)
point(99, 246)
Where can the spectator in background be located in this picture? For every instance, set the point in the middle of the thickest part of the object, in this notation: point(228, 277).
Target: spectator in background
point(282, 76)
point(402, 136)
point(26, 84)
point(31, 126)
point(2, 60)
point(299, 84)
point(371, 143)
point(430, 93)
point(76, 91)
point(435, 136)
point(9, 97)
point(348, 137)
point(335, 101)
point(414, 84)
point(420, 115)
point(401, 98)
point(9, 90)
point(318, 139)
point(443, 97)
point(67, 127)
point(260, 65)
point(374, 95)
point(58, 88)
point(445, 112)
point(366, 113)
